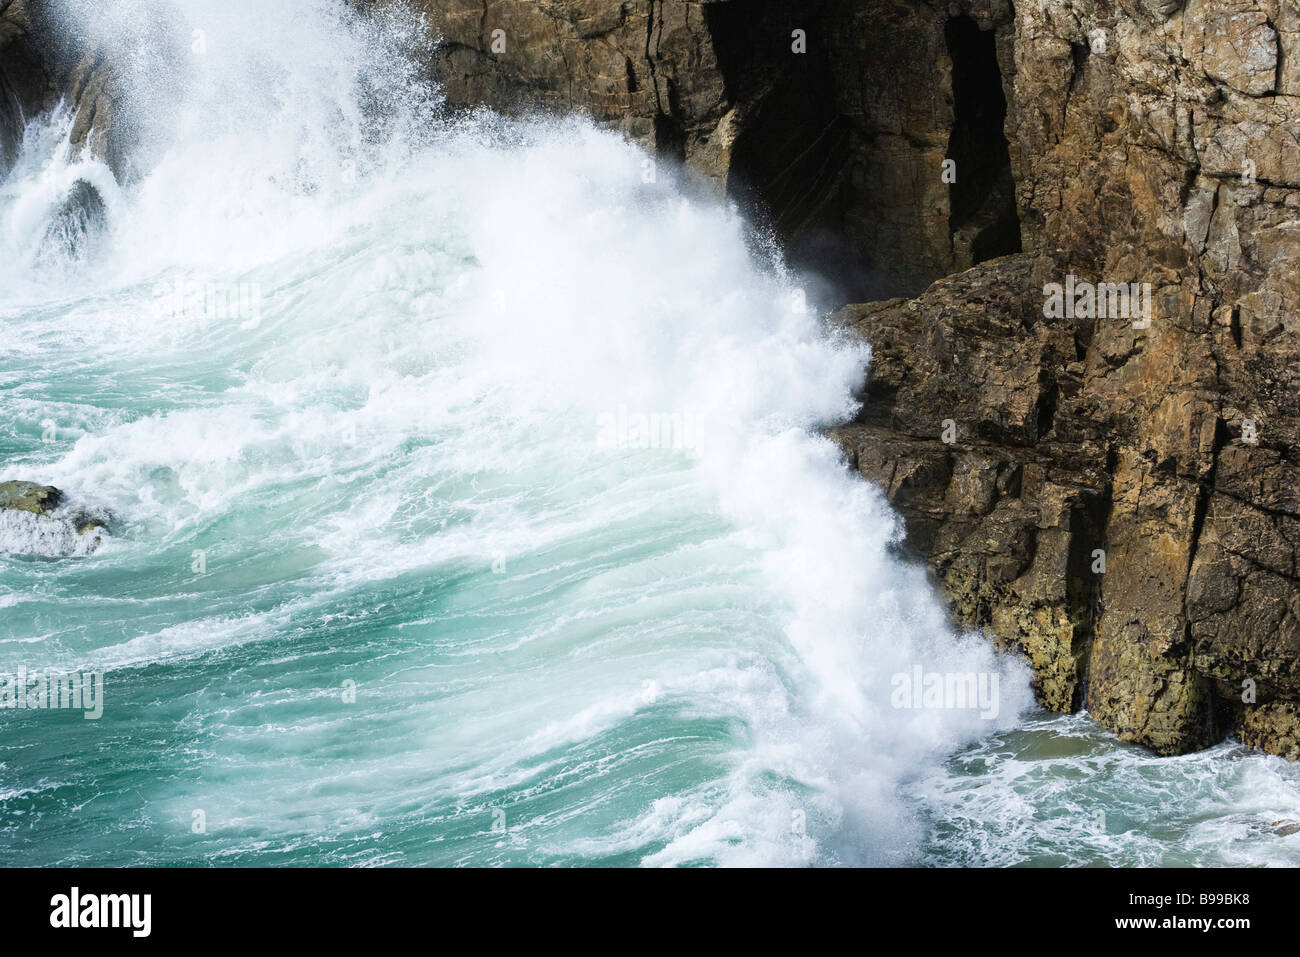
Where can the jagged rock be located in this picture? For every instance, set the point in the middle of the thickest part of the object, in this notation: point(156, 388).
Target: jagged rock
point(1023, 451)
point(963, 431)
point(1202, 410)
point(1160, 9)
point(1174, 449)
point(1240, 50)
point(76, 223)
point(41, 66)
point(36, 520)
point(29, 497)
point(829, 120)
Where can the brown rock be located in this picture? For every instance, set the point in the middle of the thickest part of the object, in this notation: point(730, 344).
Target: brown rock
point(1150, 142)
point(39, 67)
point(29, 497)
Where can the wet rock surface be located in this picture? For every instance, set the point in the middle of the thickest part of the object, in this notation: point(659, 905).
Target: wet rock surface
point(40, 66)
point(1150, 142)
point(38, 521)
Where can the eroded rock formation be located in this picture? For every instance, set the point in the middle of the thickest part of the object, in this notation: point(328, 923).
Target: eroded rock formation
point(41, 66)
point(828, 118)
point(1141, 141)
point(1147, 146)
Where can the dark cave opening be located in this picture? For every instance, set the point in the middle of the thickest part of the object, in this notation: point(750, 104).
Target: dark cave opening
point(982, 217)
point(788, 162)
point(819, 162)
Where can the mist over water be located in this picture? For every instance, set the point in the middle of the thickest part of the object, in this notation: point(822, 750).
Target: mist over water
point(399, 575)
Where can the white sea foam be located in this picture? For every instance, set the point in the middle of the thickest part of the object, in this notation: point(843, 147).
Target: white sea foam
point(60, 534)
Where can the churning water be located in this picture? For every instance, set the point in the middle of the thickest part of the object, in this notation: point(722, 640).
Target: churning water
point(469, 508)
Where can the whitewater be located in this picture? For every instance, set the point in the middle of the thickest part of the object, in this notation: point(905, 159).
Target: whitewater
point(398, 575)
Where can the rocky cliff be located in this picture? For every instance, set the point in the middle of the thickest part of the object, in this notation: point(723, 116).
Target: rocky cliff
point(41, 66)
point(1115, 495)
point(1122, 500)
point(830, 119)
point(1108, 484)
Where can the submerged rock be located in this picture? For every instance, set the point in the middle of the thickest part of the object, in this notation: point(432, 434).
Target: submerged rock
point(75, 224)
point(36, 520)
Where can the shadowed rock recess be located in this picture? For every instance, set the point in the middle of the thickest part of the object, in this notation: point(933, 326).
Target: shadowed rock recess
point(39, 66)
point(1118, 501)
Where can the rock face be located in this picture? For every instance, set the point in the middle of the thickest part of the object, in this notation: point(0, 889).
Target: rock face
point(1109, 484)
point(29, 497)
point(969, 440)
point(1127, 141)
point(829, 119)
point(39, 67)
point(35, 520)
point(1153, 147)
point(1089, 498)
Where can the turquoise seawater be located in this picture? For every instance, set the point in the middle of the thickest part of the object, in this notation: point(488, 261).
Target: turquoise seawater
point(399, 574)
